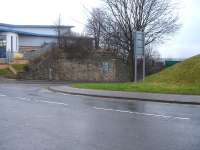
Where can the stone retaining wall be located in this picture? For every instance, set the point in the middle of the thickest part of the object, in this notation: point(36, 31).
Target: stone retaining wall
point(99, 69)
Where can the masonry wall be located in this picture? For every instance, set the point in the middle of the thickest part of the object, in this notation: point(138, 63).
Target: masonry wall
point(84, 70)
point(97, 69)
point(34, 41)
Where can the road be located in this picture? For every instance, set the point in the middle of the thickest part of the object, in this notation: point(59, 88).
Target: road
point(34, 118)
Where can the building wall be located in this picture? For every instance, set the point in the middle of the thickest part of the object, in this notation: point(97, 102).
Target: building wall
point(12, 40)
point(24, 49)
point(34, 41)
point(45, 31)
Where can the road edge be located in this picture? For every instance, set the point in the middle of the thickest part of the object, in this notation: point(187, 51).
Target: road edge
point(124, 98)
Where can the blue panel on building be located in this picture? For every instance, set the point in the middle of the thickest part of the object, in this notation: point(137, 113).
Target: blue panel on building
point(2, 52)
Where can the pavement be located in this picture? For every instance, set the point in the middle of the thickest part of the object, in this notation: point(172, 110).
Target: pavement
point(166, 98)
point(35, 118)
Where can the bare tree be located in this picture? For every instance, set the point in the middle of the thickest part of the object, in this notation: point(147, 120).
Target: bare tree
point(153, 60)
point(154, 17)
point(80, 47)
point(95, 25)
point(58, 29)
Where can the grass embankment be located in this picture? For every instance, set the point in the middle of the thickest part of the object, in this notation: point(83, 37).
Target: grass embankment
point(183, 78)
point(5, 72)
point(19, 67)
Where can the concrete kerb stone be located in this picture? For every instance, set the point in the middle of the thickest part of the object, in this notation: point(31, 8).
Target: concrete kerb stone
point(170, 98)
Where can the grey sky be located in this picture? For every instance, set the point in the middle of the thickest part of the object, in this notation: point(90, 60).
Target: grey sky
point(185, 43)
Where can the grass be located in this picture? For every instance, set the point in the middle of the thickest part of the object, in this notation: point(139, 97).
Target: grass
point(183, 78)
point(7, 73)
point(4, 72)
point(19, 67)
point(187, 72)
point(143, 87)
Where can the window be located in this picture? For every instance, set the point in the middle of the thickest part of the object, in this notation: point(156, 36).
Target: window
point(2, 42)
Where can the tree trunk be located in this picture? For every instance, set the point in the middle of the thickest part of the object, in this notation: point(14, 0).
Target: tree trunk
point(131, 65)
point(96, 43)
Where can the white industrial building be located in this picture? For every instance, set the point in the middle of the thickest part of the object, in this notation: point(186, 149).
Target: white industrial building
point(21, 38)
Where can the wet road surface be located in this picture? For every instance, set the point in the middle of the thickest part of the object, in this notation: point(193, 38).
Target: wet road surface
point(34, 118)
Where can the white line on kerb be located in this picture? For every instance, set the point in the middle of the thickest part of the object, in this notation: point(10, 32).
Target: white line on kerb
point(65, 94)
point(144, 114)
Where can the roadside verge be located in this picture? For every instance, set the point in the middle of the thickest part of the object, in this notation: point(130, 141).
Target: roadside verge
point(164, 98)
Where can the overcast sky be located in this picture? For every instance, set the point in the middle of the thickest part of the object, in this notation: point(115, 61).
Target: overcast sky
point(185, 43)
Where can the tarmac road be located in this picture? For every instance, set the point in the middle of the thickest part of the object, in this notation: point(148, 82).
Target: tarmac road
point(34, 118)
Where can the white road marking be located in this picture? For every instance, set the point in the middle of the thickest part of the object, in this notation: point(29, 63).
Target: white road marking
point(2, 95)
point(50, 102)
point(144, 114)
point(43, 101)
point(23, 98)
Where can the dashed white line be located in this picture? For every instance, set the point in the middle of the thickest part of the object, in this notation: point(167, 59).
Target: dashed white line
point(106, 109)
point(144, 114)
point(2, 95)
point(50, 102)
point(41, 101)
point(23, 98)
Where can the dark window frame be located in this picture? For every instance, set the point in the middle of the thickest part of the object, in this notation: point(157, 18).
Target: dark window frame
point(11, 43)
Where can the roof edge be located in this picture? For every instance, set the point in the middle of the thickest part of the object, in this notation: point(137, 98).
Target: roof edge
point(34, 26)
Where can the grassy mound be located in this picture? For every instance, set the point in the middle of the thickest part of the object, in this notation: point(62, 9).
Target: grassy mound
point(183, 78)
point(187, 72)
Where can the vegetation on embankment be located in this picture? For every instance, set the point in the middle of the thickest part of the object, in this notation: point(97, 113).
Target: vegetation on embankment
point(6, 72)
point(184, 73)
point(183, 78)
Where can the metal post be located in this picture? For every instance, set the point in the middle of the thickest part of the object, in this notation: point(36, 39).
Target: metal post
point(134, 57)
point(135, 69)
point(144, 71)
point(144, 61)
point(50, 74)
